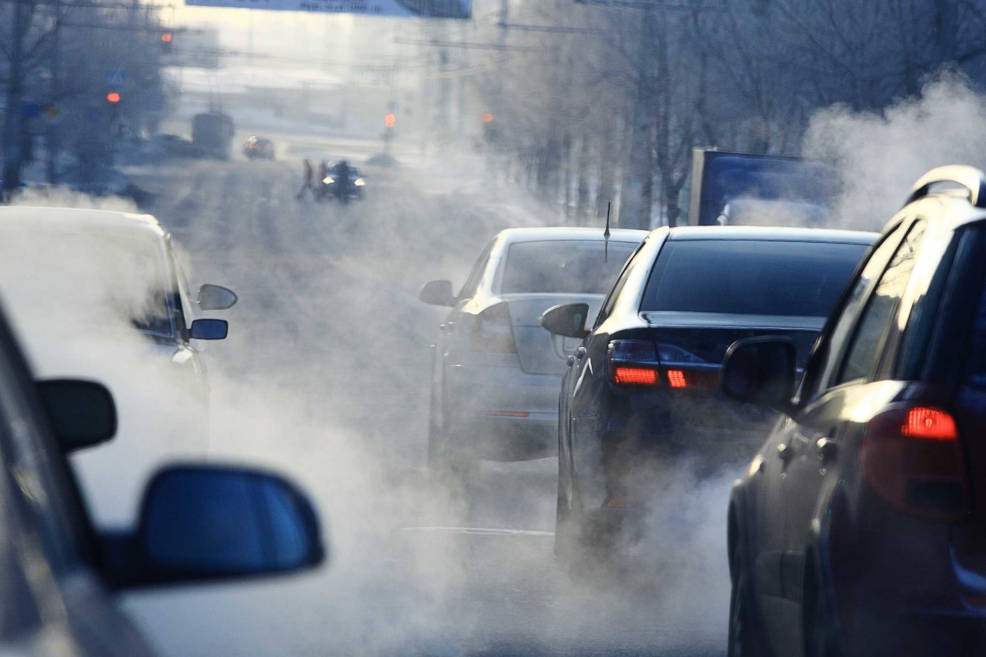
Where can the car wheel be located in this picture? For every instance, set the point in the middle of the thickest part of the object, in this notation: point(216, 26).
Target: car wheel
point(745, 636)
point(820, 631)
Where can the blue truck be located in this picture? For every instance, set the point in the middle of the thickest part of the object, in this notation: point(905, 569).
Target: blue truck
point(743, 188)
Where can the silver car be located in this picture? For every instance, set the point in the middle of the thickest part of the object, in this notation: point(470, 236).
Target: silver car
point(496, 372)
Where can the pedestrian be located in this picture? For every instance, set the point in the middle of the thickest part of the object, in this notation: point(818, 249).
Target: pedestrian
point(307, 182)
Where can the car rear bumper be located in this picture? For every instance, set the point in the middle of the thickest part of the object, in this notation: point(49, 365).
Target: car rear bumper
point(501, 413)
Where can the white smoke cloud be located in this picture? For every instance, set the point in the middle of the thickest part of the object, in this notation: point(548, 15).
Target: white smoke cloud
point(880, 155)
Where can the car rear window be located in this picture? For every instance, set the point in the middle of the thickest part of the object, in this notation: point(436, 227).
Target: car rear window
point(563, 266)
point(754, 277)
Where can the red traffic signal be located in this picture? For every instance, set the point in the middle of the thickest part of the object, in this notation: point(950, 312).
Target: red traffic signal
point(390, 120)
point(113, 97)
point(487, 118)
point(167, 37)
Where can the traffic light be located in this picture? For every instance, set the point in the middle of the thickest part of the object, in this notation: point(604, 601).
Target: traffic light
point(166, 39)
point(390, 120)
point(487, 118)
point(113, 97)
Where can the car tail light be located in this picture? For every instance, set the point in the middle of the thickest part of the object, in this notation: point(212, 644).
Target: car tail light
point(637, 362)
point(633, 362)
point(676, 379)
point(912, 457)
point(493, 330)
point(930, 424)
point(639, 376)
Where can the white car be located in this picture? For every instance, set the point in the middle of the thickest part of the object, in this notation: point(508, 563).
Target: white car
point(101, 295)
point(497, 371)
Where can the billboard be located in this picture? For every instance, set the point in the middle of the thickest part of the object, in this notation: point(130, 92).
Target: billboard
point(406, 8)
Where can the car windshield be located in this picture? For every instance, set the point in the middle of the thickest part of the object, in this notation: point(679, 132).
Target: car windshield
point(750, 277)
point(575, 266)
point(86, 282)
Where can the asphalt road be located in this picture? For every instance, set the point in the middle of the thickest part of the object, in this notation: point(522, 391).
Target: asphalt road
point(325, 376)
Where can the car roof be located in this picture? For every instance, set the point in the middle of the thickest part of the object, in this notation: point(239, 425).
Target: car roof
point(541, 234)
point(771, 233)
point(27, 217)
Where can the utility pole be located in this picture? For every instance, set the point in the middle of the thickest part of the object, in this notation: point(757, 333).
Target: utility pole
point(13, 127)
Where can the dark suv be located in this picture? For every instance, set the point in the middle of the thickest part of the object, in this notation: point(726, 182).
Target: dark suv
point(859, 528)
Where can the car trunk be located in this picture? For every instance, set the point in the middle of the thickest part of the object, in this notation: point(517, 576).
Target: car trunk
point(539, 351)
point(691, 348)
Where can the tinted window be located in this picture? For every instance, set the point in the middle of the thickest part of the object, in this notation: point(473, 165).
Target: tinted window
point(469, 287)
point(830, 346)
point(757, 277)
point(614, 294)
point(575, 266)
point(976, 375)
point(881, 308)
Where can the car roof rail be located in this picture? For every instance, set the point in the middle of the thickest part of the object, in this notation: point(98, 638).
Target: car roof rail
point(971, 178)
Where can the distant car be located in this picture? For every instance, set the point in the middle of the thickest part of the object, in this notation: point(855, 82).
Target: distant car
point(859, 528)
point(61, 574)
point(102, 295)
point(641, 393)
point(343, 182)
point(258, 148)
point(495, 376)
point(212, 134)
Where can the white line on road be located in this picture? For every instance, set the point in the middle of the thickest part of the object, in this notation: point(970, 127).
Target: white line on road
point(481, 531)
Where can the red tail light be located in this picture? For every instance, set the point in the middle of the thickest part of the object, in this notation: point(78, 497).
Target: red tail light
point(636, 362)
point(912, 458)
point(930, 424)
point(639, 376)
point(493, 330)
point(676, 379)
point(633, 362)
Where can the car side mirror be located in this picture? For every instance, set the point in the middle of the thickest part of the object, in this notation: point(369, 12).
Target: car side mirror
point(206, 523)
point(81, 413)
point(761, 370)
point(216, 297)
point(437, 293)
point(567, 320)
point(209, 329)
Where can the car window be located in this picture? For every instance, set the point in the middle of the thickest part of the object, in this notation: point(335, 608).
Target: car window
point(468, 290)
point(563, 266)
point(621, 280)
point(78, 282)
point(976, 358)
point(750, 277)
point(830, 347)
point(864, 350)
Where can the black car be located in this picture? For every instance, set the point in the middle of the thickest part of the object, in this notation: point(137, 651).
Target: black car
point(197, 522)
point(642, 390)
point(859, 528)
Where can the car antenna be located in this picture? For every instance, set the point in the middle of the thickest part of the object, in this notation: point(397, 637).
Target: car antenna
point(606, 233)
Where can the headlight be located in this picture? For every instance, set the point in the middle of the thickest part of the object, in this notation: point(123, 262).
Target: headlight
point(359, 182)
point(328, 180)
